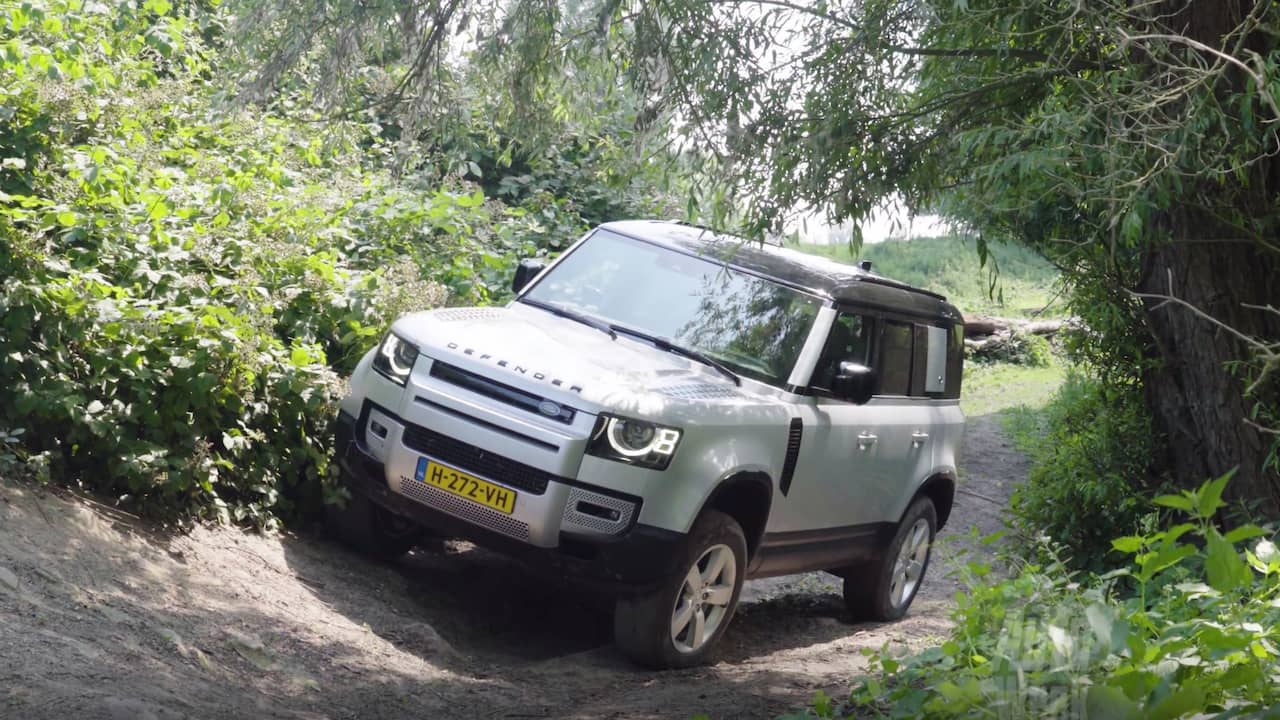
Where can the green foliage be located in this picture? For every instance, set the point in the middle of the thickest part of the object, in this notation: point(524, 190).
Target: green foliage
point(1198, 636)
point(576, 183)
point(1110, 339)
point(1131, 145)
point(1014, 282)
point(1123, 144)
point(470, 91)
point(1091, 453)
point(183, 288)
point(1264, 385)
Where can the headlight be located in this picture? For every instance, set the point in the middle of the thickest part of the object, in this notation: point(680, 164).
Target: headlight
point(635, 442)
point(395, 358)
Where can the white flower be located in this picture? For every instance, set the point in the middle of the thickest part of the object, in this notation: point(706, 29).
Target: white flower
point(1266, 551)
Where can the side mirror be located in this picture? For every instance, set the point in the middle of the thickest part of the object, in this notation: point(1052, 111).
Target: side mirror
point(854, 383)
point(527, 270)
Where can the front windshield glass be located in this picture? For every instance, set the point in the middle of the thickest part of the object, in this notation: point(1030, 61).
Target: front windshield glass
point(754, 326)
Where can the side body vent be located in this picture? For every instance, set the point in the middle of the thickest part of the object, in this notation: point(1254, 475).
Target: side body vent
point(794, 435)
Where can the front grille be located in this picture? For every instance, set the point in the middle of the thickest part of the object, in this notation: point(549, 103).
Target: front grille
point(503, 393)
point(475, 460)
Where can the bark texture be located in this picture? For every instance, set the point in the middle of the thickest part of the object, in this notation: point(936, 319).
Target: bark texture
point(1196, 393)
point(1196, 390)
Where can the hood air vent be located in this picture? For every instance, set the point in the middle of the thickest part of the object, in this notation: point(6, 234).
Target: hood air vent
point(471, 313)
point(697, 391)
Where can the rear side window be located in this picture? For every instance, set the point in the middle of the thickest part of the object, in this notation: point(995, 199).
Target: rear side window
point(932, 344)
point(897, 340)
point(919, 360)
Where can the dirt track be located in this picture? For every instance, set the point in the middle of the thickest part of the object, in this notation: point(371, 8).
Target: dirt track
point(99, 618)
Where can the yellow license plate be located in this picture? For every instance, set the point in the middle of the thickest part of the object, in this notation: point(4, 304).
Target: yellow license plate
point(466, 486)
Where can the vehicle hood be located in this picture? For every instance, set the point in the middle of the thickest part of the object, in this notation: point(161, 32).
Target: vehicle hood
point(566, 361)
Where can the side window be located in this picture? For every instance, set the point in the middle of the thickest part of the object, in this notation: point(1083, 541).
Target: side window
point(896, 341)
point(933, 375)
point(850, 339)
point(920, 361)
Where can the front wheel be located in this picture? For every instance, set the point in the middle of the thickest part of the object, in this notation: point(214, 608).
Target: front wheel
point(883, 588)
point(371, 529)
point(679, 624)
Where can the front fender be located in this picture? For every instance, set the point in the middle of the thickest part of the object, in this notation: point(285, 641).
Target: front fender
point(673, 498)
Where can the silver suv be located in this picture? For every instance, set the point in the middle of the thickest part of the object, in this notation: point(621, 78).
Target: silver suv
point(666, 412)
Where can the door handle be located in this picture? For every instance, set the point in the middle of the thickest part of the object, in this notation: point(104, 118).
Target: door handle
point(865, 440)
point(918, 438)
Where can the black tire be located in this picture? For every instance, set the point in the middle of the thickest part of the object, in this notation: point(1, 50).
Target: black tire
point(869, 588)
point(642, 625)
point(371, 529)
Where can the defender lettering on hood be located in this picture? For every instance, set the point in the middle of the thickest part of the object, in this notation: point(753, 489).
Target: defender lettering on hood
point(535, 374)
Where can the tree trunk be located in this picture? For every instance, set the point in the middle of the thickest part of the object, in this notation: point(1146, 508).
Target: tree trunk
point(1196, 390)
point(1195, 396)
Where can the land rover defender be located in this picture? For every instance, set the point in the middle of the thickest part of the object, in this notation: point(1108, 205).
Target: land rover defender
point(664, 412)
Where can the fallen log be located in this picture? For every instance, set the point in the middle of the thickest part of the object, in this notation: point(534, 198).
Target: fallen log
point(1043, 327)
point(983, 345)
point(978, 326)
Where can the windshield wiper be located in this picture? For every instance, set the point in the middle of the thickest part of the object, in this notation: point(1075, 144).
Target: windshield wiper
point(665, 344)
point(600, 325)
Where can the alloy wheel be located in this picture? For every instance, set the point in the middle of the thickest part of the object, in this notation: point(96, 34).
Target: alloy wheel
point(703, 600)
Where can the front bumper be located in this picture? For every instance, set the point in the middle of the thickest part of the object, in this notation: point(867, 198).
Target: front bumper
point(633, 560)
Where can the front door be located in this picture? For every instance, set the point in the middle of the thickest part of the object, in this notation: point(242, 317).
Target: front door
point(857, 463)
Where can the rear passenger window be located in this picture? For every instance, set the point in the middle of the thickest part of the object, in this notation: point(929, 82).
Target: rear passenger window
point(896, 341)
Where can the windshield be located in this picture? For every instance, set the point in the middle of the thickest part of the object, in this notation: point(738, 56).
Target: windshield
point(754, 326)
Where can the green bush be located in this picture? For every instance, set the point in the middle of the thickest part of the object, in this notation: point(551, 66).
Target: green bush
point(182, 288)
point(1091, 451)
point(1199, 636)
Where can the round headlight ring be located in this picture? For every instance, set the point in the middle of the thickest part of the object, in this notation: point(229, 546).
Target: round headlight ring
point(618, 430)
point(392, 350)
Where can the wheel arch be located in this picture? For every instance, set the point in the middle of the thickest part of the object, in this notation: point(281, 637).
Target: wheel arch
point(746, 496)
point(941, 489)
